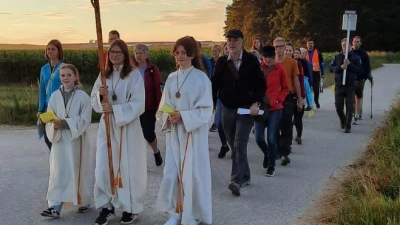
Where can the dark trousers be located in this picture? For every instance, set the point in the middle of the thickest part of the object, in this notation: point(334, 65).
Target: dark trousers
point(289, 106)
point(345, 94)
point(46, 140)
point(316, 84)
point(298, 121)
point(237, 129)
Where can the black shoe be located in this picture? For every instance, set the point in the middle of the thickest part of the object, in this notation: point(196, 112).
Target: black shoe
point(308, 108)
point(265, 161)
point(83, 209)
point(270, 171)
point(347, 130)
point(223, 151)
point(285, 160)
point(317, 104)
point(235, 188)
point(342, 124)
point(104, 216)
point(298, 140)
point(128, 218)
point(213, 128)
point(158, 158)
point(50, 212)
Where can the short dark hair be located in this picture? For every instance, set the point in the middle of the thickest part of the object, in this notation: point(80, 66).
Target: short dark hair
point(114, 32)
point(310, 39)
point(358, 38)
point(268, 51)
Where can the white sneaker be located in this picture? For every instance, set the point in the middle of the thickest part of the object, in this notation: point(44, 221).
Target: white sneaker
point(173, 220)
point(194, 222)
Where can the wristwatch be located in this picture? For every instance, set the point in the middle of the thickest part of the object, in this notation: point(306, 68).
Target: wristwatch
point(258, 104)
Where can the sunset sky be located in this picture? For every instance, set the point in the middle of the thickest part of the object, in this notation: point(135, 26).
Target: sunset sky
point(71, 21)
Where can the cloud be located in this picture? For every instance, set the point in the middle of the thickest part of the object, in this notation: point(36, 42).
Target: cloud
point(209, 12)
point(56, 16)
point(15, 14)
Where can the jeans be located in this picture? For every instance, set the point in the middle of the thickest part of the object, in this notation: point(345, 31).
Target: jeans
point(316, 84)
point(272, 122)
point(218, 122)
point(237, 129)
point(289, 106)
point(345, 94)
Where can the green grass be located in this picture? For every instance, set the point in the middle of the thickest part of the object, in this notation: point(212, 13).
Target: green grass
point(369, 193)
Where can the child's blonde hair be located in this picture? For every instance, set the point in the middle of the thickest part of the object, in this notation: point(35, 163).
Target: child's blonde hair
point(75, 71)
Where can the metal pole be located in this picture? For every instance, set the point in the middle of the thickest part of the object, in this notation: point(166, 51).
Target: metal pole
point(347, 47)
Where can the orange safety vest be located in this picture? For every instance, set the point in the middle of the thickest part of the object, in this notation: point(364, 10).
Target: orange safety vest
point(315, 61)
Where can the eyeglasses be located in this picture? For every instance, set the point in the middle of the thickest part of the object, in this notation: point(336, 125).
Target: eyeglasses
point(176, 53)
point(117, 53)
point(279, 46)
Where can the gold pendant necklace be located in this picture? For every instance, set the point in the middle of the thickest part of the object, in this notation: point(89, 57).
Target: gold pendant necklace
point(178, 93)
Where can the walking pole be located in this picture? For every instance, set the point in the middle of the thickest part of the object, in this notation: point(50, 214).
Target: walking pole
point(96, 6)
point(371, 100)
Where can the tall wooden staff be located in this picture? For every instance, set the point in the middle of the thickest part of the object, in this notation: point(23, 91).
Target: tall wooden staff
point(99, 32)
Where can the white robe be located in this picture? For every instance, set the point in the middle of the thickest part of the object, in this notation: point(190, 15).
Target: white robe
point(65, 156)
point(195, 106)
point(127, 108)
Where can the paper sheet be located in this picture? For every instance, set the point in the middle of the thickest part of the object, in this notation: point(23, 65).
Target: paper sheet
point(48, 117)
point(167, 109)
point(242, 111)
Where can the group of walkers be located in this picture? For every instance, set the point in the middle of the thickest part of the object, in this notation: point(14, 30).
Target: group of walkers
point(267, 85)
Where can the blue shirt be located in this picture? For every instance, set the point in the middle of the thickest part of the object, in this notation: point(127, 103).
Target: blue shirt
point(47, 86)
point(142, 70)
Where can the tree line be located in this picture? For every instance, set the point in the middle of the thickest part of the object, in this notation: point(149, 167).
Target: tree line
point(295, 20)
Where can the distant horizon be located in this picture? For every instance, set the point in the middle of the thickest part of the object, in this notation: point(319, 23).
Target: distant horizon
point(136, 20)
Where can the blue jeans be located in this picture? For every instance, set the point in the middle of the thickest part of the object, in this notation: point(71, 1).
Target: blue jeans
point(218, 122)
point(273, 123)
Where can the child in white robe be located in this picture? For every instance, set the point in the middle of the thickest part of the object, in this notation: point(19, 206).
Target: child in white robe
point(126, 102)
point(70, 157)
point(188, 92)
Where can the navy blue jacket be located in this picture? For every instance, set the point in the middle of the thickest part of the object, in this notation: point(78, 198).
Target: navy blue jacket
point(366, 74)
point(354, 68)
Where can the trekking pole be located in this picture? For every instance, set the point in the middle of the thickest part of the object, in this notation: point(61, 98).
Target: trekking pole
point(371, 100)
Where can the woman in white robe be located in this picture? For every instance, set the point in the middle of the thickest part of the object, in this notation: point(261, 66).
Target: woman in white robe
point(125, 91)
point(188, 92)
point(71, 158)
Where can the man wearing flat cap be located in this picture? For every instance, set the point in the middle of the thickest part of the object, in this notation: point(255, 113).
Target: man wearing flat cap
point(239, 83)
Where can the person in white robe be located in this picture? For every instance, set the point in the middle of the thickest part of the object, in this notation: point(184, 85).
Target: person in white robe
point(188, 92)
point(126, 101)
point(71, 159)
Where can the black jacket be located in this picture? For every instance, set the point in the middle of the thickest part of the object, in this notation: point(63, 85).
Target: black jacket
point(250, 87)
point(354, 68)
point(366, 73)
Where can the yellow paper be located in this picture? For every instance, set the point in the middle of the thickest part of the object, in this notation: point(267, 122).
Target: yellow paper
point(48, 117)
point(310, 113)
point(333, 88)
point(167, 109)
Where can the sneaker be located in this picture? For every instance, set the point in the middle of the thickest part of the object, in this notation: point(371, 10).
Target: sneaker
point(270, 171)
point(285, 160)
point(128, 218)
point(173, 220)
point(223, 151)
point(235, 188)
point(104, 216)
point(360, 117)
point(83, 209)
point(343, 123)
point(194, 222)
point(347, 130)
point(50, 212)
point(308, 108)
point(317, 104)
point(158, 158)
point(213, 128)
point(298, 140)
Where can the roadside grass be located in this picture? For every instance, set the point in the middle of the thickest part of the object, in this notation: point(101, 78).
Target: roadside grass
point(368, 193)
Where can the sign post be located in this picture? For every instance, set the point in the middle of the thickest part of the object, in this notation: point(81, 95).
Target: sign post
point(349, 23)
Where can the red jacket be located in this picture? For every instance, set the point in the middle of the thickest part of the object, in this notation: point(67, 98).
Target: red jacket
point(277, 87)
point(152, 82)
point(301, 79)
